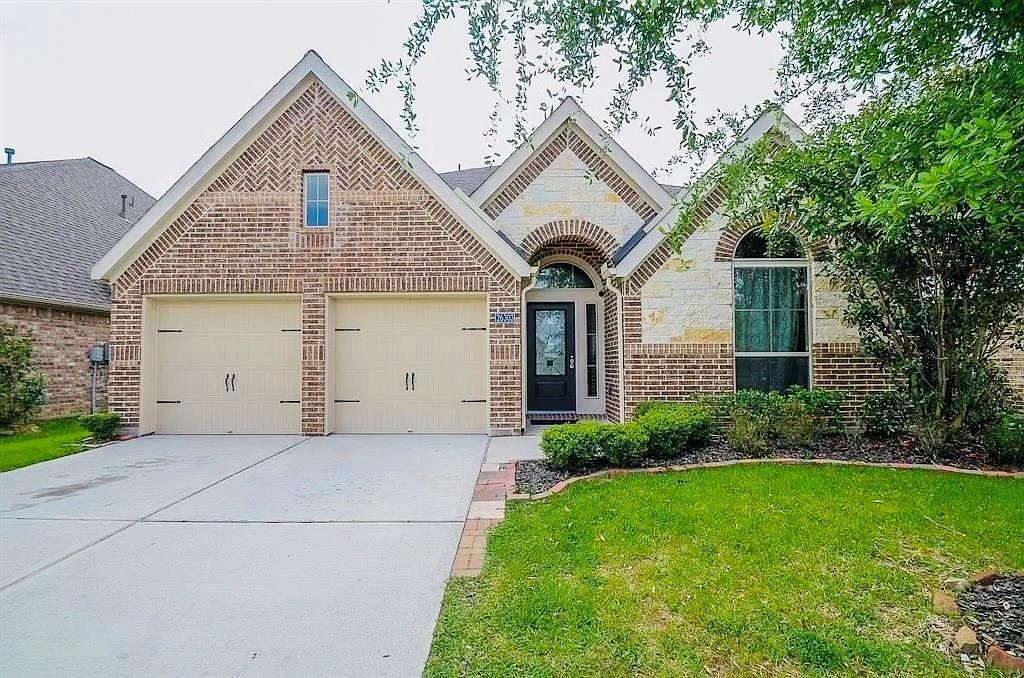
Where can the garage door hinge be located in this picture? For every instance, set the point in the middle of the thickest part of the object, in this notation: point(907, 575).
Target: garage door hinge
point(289, 401)
point(474, 329)
point(346, 401)
point(169, 331)
point(346, 329)
point(475, 401)
point(168, 402)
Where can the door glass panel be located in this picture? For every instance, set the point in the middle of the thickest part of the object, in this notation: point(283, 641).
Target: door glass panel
point(550, 343)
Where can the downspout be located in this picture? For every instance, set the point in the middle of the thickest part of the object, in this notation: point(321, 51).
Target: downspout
point(522, 341)
point(609, 283)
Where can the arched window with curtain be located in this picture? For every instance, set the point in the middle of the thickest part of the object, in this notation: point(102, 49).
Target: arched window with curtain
point(771, 295)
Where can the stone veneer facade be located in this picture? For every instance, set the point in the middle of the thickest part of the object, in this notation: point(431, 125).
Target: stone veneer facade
point(62, 340)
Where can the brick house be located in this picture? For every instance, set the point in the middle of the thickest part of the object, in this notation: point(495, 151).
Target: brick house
point(57, 218)
point(311, 273)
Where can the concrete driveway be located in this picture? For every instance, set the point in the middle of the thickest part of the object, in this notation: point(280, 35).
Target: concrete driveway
point(232, 555)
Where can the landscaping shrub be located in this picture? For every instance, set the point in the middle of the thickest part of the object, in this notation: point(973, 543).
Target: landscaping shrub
point(824, 407)
point(796, 425)
point(572, 446)
point(623, 444)
point(1006, 440)
point(673, 428)
point(22, 390)
point(749, 432)
point(103, 425)
point(643, 408)
point(885, 415)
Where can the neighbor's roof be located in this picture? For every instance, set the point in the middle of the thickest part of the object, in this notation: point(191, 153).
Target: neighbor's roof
point(57, 219)
point(471, 178)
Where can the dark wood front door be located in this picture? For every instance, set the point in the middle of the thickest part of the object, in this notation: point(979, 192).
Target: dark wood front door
point(551, 359)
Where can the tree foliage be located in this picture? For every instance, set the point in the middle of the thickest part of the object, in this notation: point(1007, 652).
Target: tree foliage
point(832, 49)
point(918, 204)
point(21, 385)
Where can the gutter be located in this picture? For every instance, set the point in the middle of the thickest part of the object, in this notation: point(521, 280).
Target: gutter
point(609, 283)
point(26, 300)
point(522, 340)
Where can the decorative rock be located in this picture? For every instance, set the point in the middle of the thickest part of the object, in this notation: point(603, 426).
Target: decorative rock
point(966, 641)
point(944, 604)
point(1000, 659)
point(984, 578)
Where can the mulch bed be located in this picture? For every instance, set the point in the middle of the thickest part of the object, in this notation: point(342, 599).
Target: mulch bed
point(534, 476)
point(996, 612)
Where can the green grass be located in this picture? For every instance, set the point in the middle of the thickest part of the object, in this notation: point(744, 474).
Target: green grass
point(760, 570)
point(55, 438)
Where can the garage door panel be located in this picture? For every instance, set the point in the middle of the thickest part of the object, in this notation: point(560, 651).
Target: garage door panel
point(400, 335)
point(212, 341)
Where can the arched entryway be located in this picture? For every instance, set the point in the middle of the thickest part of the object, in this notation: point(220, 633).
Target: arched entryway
point(564, 338)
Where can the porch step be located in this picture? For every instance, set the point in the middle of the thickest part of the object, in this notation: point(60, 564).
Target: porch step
point(540, 418)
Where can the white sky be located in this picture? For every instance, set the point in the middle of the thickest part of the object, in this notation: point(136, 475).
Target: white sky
point(147, 87)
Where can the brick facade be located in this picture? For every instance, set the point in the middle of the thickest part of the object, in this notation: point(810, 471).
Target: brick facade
point(244, 234)
point(62, 341)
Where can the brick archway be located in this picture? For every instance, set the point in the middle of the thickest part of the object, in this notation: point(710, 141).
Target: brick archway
point(568, 232)
point(734, 232)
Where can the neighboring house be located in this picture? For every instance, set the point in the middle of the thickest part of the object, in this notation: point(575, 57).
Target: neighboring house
point(311, 273)
point(57, 218)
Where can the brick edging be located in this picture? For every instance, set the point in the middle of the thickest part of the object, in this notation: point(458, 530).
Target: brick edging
point(496, 484)
point(612, 472)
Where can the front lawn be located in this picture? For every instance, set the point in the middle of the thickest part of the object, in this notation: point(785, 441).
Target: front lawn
point(761, 570)
point(55, 438)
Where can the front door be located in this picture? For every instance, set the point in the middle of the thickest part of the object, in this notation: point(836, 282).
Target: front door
point(551, 359)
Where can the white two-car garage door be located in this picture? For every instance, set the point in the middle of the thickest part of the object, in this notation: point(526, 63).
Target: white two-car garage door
point(227, 366)
point(412, 364)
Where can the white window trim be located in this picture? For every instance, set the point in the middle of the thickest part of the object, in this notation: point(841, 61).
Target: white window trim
point(306, 199)
point(803, 263)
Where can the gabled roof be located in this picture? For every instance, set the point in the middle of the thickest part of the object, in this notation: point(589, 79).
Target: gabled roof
point(655, 230)
point(195, 180)
point(571, 113)
point(57, 218)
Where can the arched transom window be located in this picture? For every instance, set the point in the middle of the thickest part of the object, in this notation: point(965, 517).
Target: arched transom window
point(562, 275)
point(772, 312)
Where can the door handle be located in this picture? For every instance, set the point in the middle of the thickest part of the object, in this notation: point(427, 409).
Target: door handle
point(226, 375)
point(572, 362)
point(406, 381)
point(414, 381)
point(232, 381)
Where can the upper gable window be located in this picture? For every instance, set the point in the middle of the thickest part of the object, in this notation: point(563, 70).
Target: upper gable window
point(317, 199)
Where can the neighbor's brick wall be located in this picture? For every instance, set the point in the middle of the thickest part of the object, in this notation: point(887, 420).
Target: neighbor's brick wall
point(62, 341)
point(244, 234)
point(1012, 363)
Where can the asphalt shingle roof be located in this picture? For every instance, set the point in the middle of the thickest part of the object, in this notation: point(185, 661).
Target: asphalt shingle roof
point(58, 218)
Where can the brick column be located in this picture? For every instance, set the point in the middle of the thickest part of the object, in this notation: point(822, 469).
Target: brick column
point(314, 358)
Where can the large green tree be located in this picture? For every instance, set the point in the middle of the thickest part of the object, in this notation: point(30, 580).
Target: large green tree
point(917, 207)
point(833, 49)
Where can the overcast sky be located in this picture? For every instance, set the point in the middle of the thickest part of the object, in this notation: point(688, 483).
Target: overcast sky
point(147, 87)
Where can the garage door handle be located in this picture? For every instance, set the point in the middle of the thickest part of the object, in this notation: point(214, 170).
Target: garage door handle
point(406, 381)
point(414, 381)
point(226, 375)
point(232, 381)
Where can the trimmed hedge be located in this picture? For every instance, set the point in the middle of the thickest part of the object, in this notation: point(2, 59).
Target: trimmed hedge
point(663, 430)
point(674, 428)
point(103, 425)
